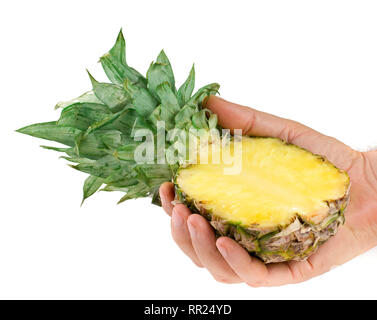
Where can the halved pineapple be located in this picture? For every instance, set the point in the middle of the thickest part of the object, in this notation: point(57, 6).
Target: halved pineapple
point(282, 204)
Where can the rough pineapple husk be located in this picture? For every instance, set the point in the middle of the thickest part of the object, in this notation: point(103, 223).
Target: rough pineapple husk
point(295, 241)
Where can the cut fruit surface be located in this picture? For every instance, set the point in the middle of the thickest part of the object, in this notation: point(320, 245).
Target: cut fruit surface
point(277, 182)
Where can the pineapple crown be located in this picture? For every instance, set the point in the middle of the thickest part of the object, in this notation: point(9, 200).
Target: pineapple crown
point(98, 127)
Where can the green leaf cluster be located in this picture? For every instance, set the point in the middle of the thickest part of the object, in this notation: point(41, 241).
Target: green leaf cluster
point(97, 127)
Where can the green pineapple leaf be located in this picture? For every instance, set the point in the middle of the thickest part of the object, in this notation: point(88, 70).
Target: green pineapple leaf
point(115, 65)
point(99, 126)
point(90, 146)
point(167, 97)
point(186, 89)
point(104, 122)
point(117, 72)
point(118, 51)
point(163, 113)
point(104, 167)
point(183, 117)
point(82, 115)
point(199, 120)
point(127, 122)
point(212, 121)
point(115, 181)
point(71, 152)
point(126, 152)
point(91, 185)
point(142, 100)
point(65, 150)
point(160, 72)
point(87, 97)
point(52, 131)
point(142, 123)
point(138, 190)
point(115, 188)
point(204, 92)
point(112, 95)
point(112, 139)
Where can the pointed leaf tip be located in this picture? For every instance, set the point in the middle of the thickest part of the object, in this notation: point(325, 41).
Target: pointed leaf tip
point(115, 65)
point(120, 35)
point(118, 51)
point(186, 89)
point(25, 130)
point(162, 58)
point(51, 131)
point(92, 80)
point(159, 72)
point(91, 185)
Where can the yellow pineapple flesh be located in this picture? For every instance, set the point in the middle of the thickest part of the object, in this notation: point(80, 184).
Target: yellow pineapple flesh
point(278, 184)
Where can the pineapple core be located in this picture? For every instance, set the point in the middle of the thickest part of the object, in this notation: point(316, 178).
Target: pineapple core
point(277, 182)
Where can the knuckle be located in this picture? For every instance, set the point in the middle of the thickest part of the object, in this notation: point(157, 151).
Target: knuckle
point(291, 131)
point(286, 133)
point(250, 122)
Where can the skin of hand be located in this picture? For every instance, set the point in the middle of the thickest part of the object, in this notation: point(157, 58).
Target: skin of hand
point(227, 261)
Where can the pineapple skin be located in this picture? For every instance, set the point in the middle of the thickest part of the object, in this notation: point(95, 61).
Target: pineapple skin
point(295, 241)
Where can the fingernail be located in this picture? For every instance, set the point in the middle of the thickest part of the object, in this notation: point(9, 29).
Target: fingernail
point(192, 230)
point(223, 251)
point(177, 219)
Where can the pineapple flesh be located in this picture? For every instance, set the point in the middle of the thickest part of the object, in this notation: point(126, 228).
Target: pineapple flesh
point(281, 205)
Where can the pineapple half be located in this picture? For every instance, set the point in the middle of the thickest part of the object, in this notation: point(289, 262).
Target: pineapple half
point(282, 204)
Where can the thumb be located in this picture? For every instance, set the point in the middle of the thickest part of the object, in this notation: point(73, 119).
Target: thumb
point(257, 123)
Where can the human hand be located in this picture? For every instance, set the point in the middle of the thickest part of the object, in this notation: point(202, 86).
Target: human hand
point(227, 261)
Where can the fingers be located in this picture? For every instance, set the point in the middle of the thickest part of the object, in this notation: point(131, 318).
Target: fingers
point(258, 123)
point(181, 234)
point(179, 214)
point(250, 270)
point(256, 274)
point(251, 121)
point(198, 243)
point(226, 260)
point(204, 242)
point(167, 196)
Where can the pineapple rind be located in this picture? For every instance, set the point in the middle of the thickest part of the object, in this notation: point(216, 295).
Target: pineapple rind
point(295, 241)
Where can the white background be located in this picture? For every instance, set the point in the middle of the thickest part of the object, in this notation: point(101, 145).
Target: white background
point(312, 61)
